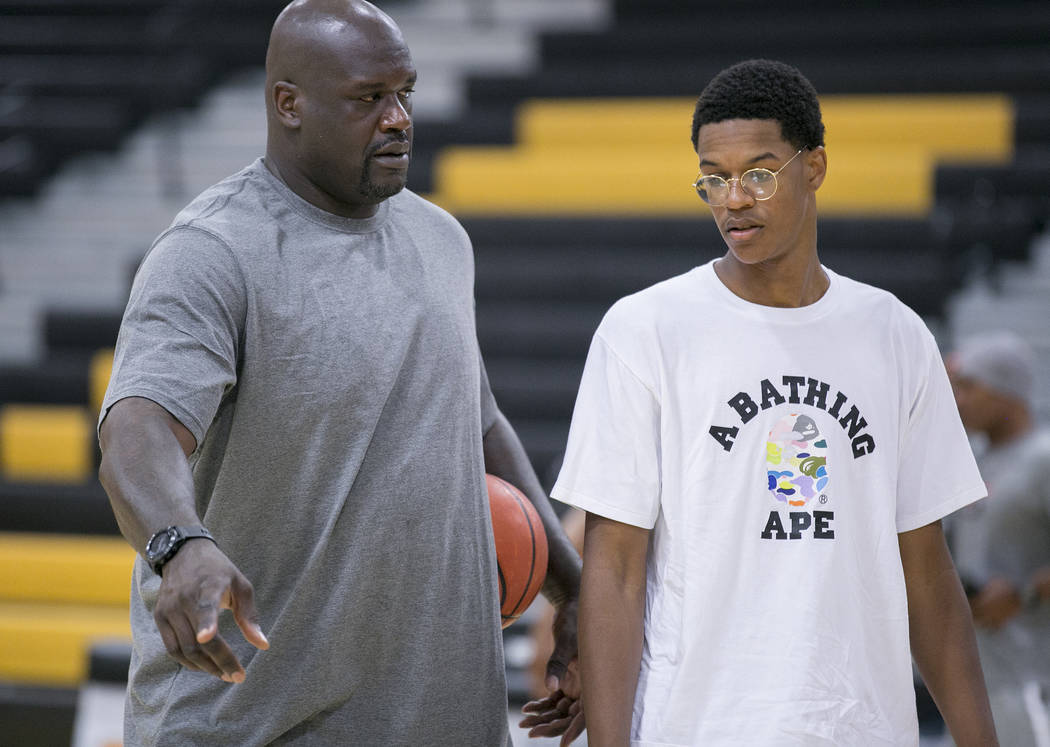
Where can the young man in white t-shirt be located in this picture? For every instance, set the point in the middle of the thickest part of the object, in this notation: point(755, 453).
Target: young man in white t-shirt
point(764, 449)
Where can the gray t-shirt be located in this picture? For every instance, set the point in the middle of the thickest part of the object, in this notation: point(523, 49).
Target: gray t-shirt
point(1008, 536)
point(329, 370)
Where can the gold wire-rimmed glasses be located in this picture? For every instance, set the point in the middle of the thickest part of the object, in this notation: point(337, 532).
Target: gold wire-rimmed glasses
point(761, 184)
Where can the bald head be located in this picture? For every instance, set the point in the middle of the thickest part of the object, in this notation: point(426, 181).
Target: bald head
point(308, 33)
point(339, 81)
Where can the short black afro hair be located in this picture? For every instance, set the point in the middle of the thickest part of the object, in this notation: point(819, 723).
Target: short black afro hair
point(763, 89)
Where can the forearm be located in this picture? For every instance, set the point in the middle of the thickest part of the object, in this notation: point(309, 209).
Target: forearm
point(944, 646)
point(145, 471)
point(612, 612)
point(505, 457)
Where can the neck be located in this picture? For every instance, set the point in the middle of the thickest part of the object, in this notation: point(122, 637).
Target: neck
point(303, 186)
point(783, 284)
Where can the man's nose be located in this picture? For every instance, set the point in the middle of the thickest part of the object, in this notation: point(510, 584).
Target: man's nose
point(738, 196)
point(396, 116)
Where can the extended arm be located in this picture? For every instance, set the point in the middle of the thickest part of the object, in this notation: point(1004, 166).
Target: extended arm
point(612, 610)
point(150, 485)
point(942, 639)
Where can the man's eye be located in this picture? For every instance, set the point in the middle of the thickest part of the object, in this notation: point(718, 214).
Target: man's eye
point(372, 98)
point(407, 93)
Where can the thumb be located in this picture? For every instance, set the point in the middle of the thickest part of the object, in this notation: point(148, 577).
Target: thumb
point(556, 666)
point(242, 604)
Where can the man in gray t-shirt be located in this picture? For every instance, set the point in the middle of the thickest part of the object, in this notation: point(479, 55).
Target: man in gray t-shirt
point(297, 429)
point(1002, 546)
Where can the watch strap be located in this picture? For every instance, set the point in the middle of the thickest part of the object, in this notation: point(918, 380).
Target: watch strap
point(177, 536)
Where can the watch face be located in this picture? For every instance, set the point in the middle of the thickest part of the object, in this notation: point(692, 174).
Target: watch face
point(159, 544)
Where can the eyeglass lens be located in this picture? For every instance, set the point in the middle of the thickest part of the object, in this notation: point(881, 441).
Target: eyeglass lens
point(761, 184)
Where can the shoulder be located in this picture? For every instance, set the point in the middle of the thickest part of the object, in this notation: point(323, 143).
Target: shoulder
point(190, 259)
point(883, 308)
point(636, 329)
point(234, 198)
point(651, 307)
point(871, 298)
point(417, 215)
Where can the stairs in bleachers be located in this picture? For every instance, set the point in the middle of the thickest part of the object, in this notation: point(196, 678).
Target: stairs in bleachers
point(79, 74)
point(1014, 295)
point(670, 48)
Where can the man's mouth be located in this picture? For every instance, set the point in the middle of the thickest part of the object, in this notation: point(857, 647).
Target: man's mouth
point(393, 155)
point(742, 230)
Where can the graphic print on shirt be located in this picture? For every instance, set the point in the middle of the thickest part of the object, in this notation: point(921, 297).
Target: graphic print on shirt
point(797, 470)
point(796, 461)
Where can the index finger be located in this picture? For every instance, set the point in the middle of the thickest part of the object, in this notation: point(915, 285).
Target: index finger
point(242, 603)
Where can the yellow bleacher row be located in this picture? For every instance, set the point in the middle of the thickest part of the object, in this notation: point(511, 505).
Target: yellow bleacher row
point(633, 156)
point(59, 595)
point(53, 443)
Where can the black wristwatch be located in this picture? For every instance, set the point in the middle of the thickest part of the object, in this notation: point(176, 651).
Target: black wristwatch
point(163, 545)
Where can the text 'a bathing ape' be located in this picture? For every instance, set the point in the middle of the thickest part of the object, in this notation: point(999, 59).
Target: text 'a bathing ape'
point(804, 390)
point(798, 476)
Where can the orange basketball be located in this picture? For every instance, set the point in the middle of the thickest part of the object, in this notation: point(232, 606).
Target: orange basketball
point(521, 547)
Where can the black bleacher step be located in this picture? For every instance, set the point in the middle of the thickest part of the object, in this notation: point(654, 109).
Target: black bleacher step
point(32, 716)
point(1032, 123)
point(535, 387)
point(1027, 176)
point(592, 273)
point(63, 126)
point(540, 230)
point(85, 330)
point(860, 70)
point(887, 235)
point(109, 661)
point(914, 26)
point(480, 124)
point(60, 379)
point(547, 330)
point(48, 33)
point(922, 281)
point(712, 8)
point(505, 235)
point(62, 509)
point(154, 80)
point(82, 7)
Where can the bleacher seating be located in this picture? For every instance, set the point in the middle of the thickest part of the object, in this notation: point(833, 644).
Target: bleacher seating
point(79, 74)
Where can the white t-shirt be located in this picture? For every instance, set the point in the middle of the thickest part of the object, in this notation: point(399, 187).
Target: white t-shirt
point(775, 453)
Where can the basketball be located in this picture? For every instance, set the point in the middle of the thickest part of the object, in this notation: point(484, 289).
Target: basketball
point(521, 547)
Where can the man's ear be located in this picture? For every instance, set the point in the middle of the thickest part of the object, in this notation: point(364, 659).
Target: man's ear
point(286, 103)
point(817, 167)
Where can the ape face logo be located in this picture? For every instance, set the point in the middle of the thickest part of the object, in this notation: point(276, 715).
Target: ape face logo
point(796, 461)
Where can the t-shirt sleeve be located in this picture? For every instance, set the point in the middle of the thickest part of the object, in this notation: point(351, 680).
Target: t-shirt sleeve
point(612, 463)
point(938, 473)
point(179, 338)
